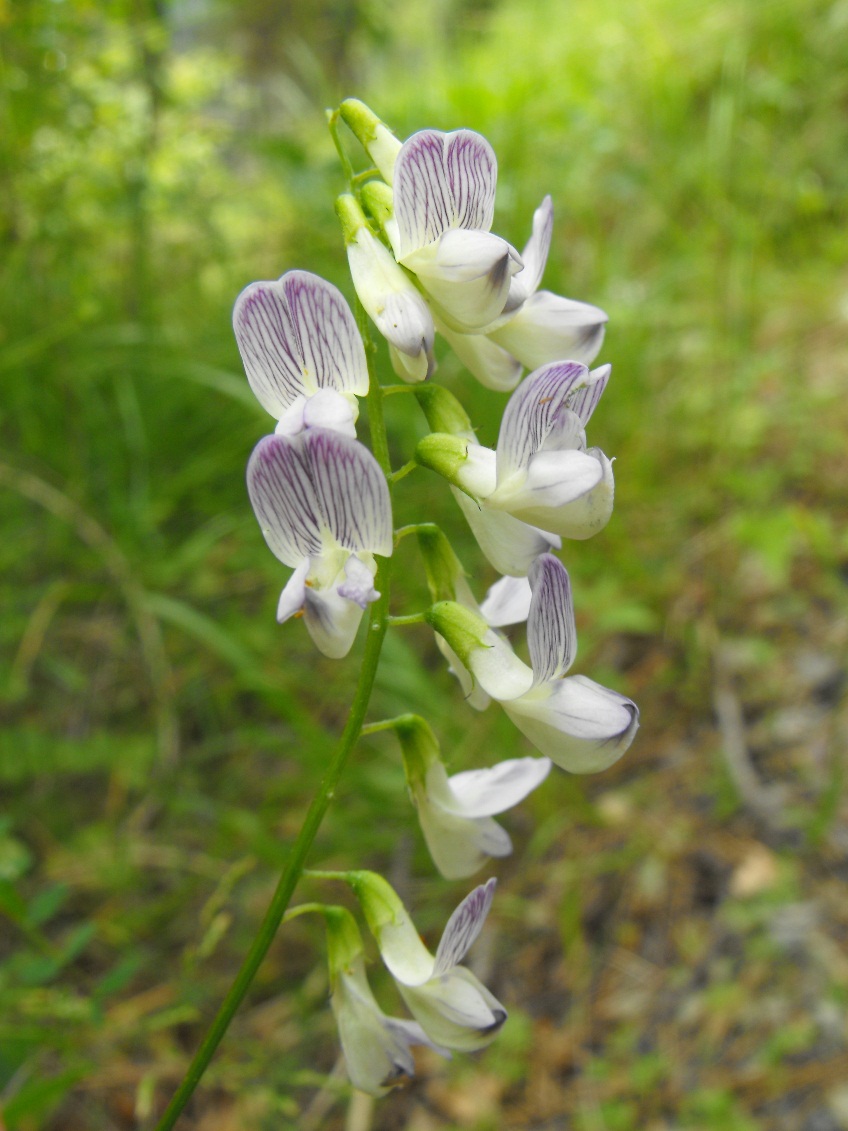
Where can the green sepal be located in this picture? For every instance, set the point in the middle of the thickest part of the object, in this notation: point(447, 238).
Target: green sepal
point(378, 198)
point(443, 411)
point(442, 453)
point(360, 120)
point(441, 565)
point(464, 631)
point(351, 215)
point(380, 903)
point(419, 746)
point(344, 942)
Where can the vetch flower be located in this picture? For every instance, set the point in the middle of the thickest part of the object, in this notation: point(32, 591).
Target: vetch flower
point(541, 473)
point(545, 327)
point(455, 813)
point(376, 1047)
point(302, 352)
point(388, 295)
point(444, 200)
point(580, 725)
point(323, 505)
point(509, 544)
point(453, 1007)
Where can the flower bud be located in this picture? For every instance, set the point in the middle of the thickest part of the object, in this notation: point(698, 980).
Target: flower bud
point(388, 295)
point(375, 136)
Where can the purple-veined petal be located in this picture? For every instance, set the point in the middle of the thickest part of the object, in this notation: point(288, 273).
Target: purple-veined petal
point(283, 497)
point(584, 400)
point(535, 253)
point(293, 596)
point(463, 927)
point(350, 490)
point(510, 545)
point(329, 341)
point(297, 335)
point(488, 362)
point(268, 346)
point(443, 181)
point(467, 274)
point(456, 1010)
point(533, 411)
point(507, 602)
point(580, 725)
point(331, 620)
point(549, 327)
point(483, 793)
point(358, 585)
point(551, 632)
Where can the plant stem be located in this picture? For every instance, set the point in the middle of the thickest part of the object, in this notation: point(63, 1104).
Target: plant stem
point(409, 618)
point(377, 625)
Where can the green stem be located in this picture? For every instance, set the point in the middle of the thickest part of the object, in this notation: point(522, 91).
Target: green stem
point(409, 618)
point(415, 528)
point(377, 625)
point(386, 724)
point(333, 119)
point(402, 472)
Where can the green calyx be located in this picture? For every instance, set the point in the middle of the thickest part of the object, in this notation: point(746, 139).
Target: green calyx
point(360, 120)
point(443, 411)
point(378, 198)
point(442, 453)
point(419, 746)
point(441, 565)
point(380, 903)
point(464, 631)
point(351, 216)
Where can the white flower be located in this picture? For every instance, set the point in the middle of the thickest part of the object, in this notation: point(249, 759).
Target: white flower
point(454, 1008)
point(444, 199)
point(302, 352)
point(376, 1047)
point(388, 295)
point(455, 813)
point(323, 505)
point(544, 328)
point(580, 725)
point(541, 482)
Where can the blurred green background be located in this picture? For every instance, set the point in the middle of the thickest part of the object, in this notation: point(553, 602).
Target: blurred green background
point(672, 936)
